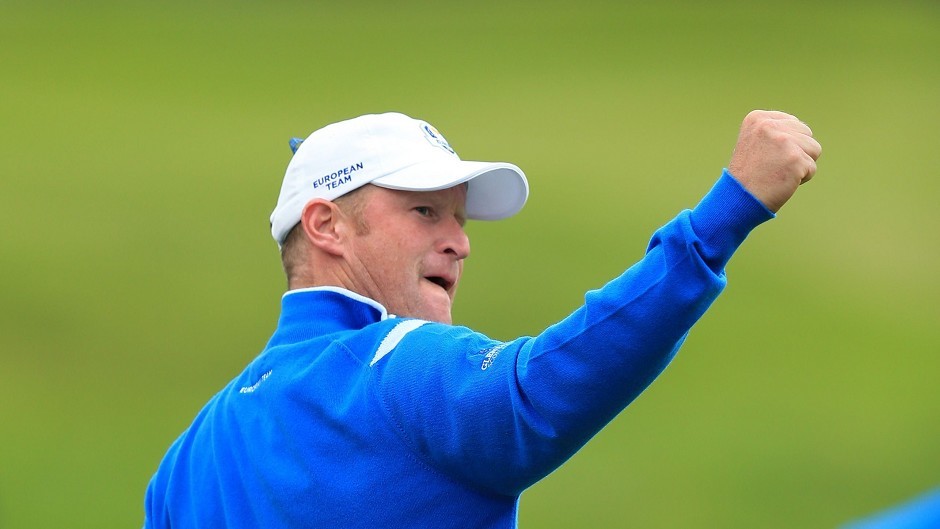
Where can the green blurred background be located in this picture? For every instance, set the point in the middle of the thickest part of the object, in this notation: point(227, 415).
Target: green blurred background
point(142, 147)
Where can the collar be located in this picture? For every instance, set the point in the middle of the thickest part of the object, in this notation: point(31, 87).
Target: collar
point(310, 312)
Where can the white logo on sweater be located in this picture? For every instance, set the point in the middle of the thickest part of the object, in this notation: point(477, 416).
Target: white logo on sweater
point(491, 355)
point(253, 387)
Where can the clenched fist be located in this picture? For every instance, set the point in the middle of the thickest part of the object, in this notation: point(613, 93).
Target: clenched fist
point(775, 153)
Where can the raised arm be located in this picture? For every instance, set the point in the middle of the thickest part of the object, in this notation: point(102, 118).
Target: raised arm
point(502, 416)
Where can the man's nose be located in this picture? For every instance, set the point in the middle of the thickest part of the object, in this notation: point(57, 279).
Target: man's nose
point(455, 241)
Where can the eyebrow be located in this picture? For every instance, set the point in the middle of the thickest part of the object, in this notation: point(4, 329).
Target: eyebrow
point(438, 203)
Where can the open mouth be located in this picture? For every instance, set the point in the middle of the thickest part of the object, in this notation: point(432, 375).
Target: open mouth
point(439, 281)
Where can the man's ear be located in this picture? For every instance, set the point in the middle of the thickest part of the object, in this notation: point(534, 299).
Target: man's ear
point(320, 219)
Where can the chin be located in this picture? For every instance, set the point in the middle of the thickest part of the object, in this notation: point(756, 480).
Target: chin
point(435, 314)
point(436, 308)
point(439, 315)
point(447, 320)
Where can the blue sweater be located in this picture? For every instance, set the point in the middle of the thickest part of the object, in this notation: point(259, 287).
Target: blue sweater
point(351, 417)
point(922, 512)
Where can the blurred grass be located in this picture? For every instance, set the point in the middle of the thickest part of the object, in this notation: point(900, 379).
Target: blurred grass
point(142, 148)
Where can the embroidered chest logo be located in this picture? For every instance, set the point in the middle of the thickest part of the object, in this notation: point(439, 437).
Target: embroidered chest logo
point(491, 355)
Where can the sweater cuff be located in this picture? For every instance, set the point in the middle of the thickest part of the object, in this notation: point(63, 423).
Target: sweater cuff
point(725, 217)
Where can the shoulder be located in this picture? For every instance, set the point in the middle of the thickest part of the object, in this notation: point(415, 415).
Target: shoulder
point(410, 341)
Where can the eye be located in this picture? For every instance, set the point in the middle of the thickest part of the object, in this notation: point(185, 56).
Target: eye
point(424, 211)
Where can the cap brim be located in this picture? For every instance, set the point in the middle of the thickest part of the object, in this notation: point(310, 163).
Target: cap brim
point(495, 190)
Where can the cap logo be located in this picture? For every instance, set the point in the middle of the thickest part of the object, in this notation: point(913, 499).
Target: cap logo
point(435, 137)
point(338, 177)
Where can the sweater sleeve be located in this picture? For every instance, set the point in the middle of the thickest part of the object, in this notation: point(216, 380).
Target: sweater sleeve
point(500, 416)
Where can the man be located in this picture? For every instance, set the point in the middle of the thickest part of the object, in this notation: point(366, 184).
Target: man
point(368, 408)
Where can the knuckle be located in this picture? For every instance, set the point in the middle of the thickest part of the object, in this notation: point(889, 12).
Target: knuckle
point(754, 117)
point(778, 137)
point(794, 154)
point(771, 128)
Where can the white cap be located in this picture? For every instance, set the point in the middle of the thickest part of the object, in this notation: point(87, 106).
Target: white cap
point(393, 151)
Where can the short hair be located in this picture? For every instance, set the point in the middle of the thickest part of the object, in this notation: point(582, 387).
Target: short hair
point(293, 249)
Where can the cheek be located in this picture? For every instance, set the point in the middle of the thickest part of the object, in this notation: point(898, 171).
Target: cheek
point(395, 270)
point(392, 259)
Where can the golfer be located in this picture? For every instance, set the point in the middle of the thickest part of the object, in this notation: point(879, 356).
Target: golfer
point(368, 408)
